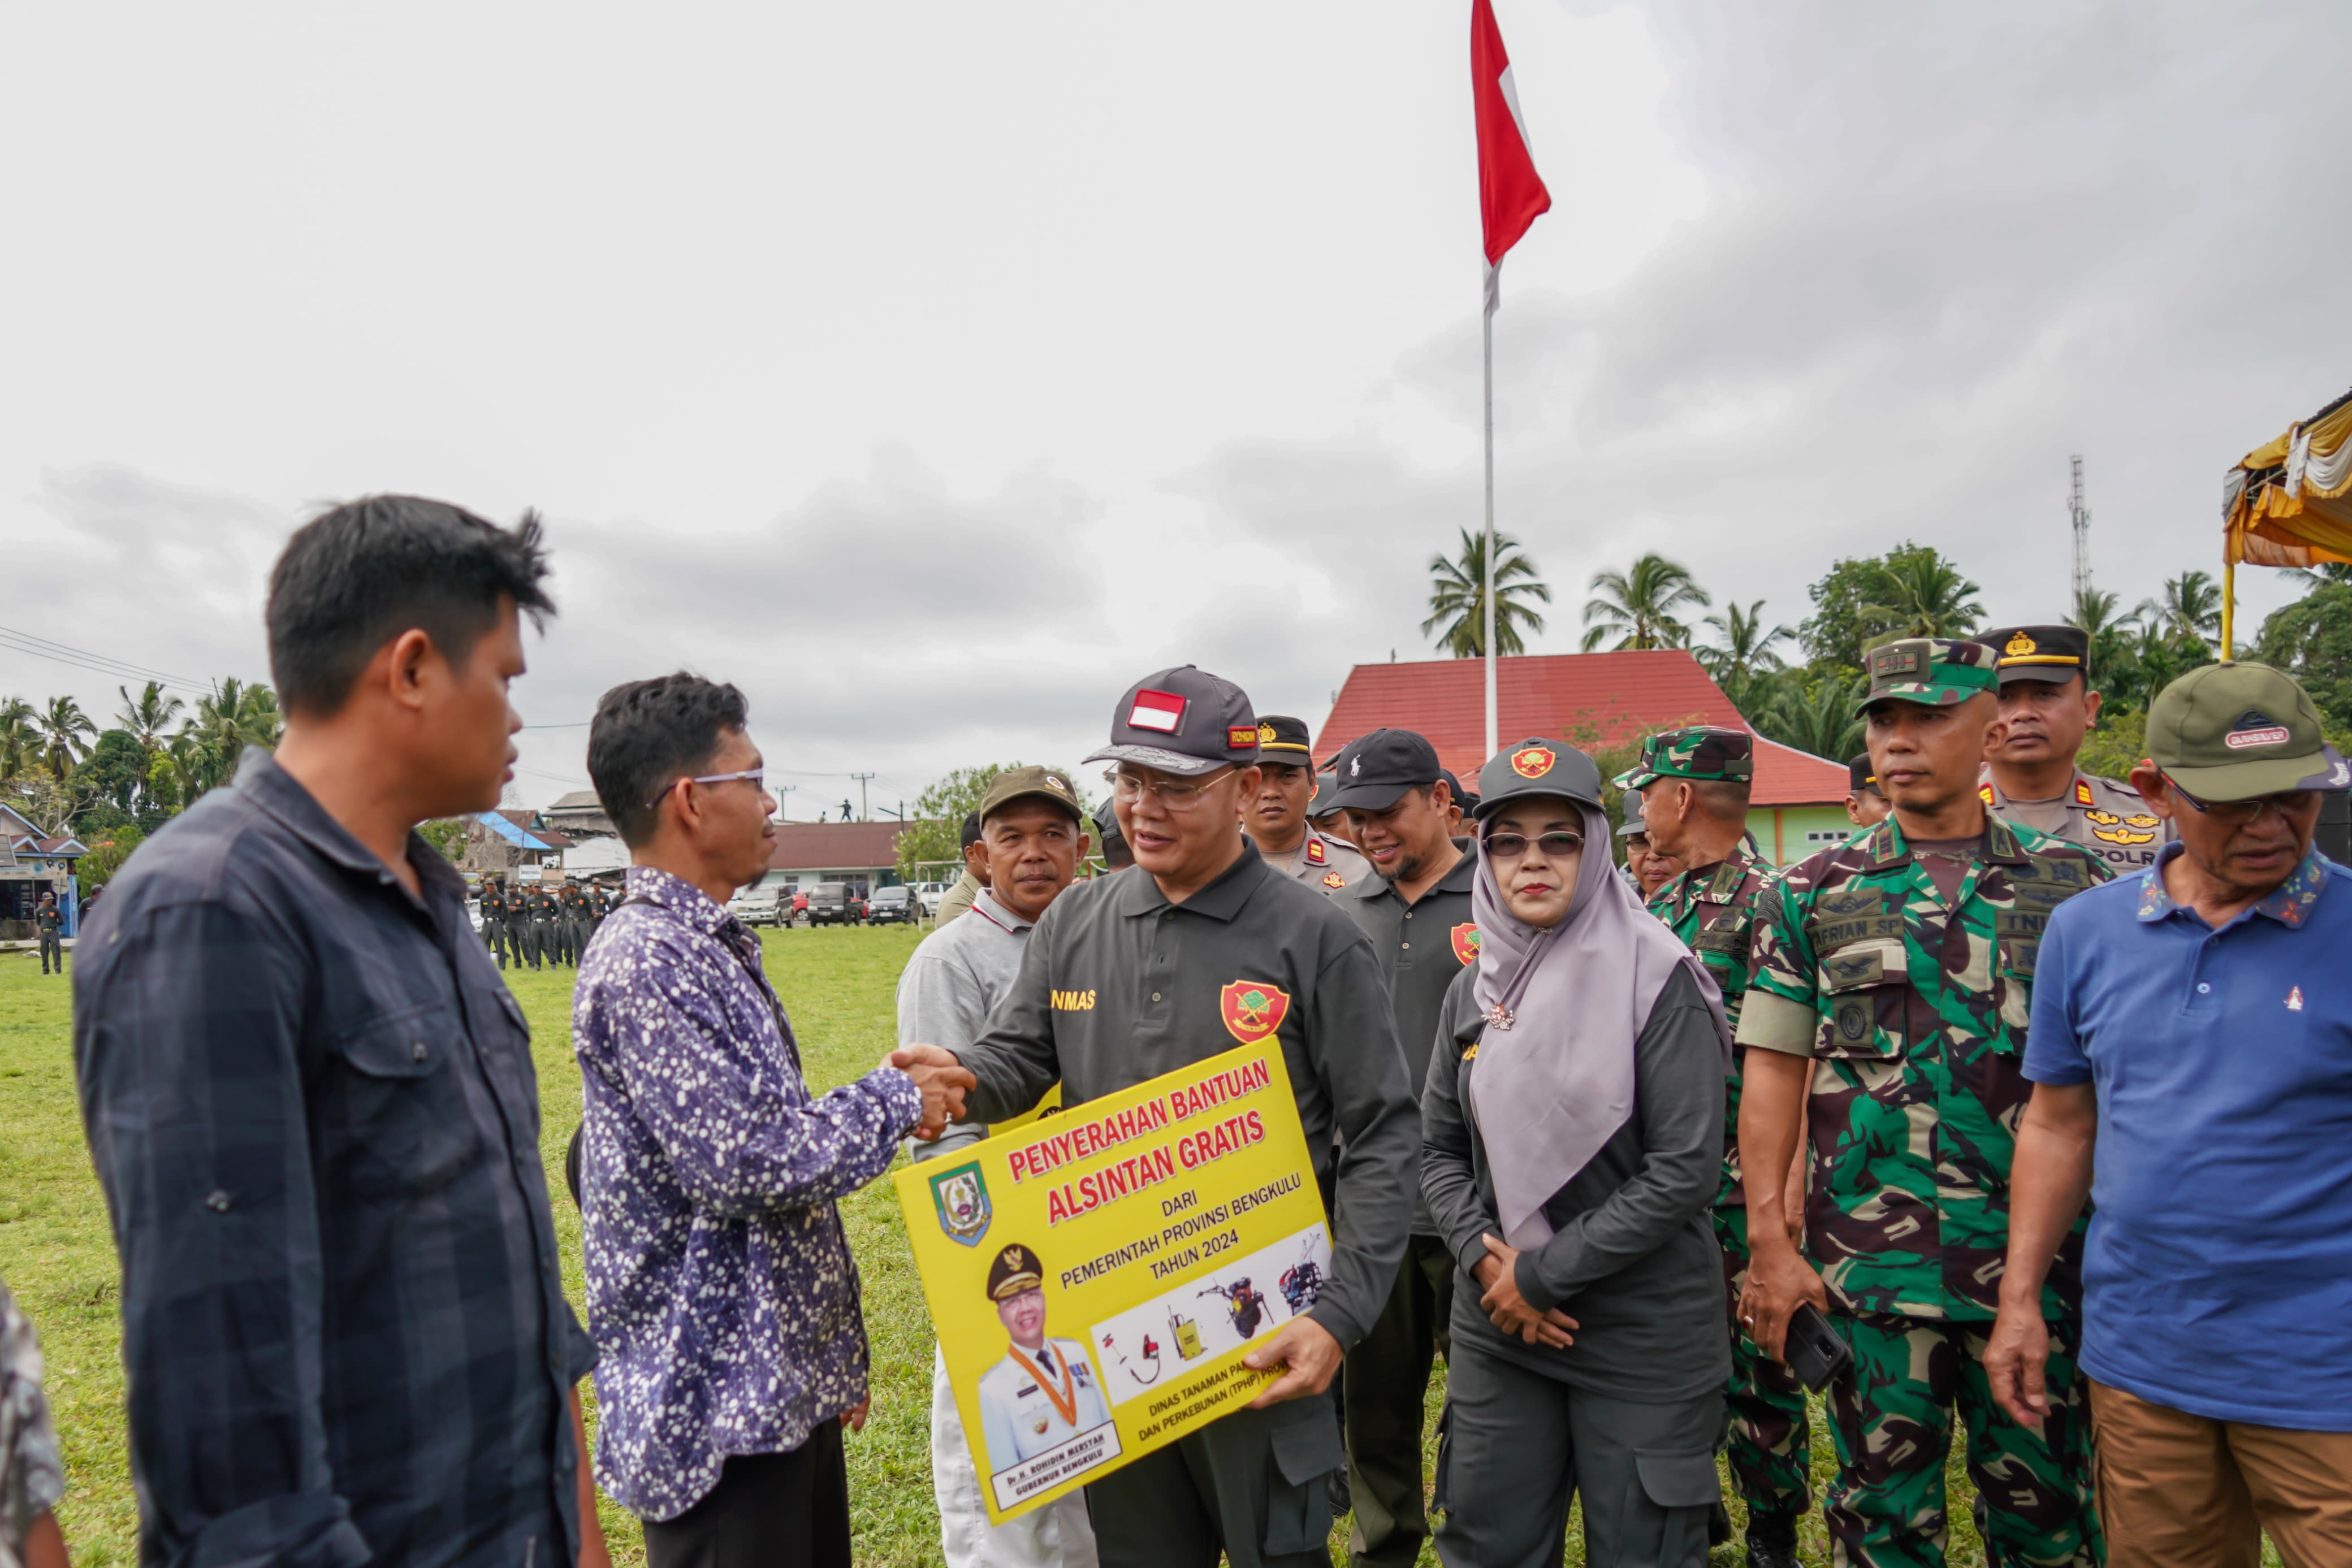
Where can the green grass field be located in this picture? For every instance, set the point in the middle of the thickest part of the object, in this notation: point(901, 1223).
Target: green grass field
point(57, 1256)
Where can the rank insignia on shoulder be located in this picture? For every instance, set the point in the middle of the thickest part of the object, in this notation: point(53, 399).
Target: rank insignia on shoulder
point(1333, 879)
point(1984, 793)
point(1316, 854)
point(2082, 793)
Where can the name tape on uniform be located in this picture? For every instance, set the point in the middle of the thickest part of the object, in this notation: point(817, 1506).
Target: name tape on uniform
point(1096, 1277)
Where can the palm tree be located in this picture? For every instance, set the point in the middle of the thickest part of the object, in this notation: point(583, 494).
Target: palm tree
point(1926, 597)
point(147, 717)
point(2189, 610)
point(1458, 597)
point(63, 727)
point(1747, 644)
point(2109, 633)
point(205, 751)
point(1638, 607)
point(19, 737)
point(1817, 716)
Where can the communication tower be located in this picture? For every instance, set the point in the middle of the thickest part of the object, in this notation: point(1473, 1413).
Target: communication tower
point(2078, 513)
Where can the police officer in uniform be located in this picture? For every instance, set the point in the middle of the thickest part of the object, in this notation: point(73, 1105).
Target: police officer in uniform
point(48, 926)
point(1043, 1391)
point(538, 911)
point(1889, 984)
point(1199, 947)
point(572, 907)
point(2046, 707)
point(1415, 907)
point(1694, 784)
point(1275, 817)
point(494, 918)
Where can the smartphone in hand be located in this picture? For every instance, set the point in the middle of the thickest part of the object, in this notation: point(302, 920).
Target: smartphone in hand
point(1813, 1350)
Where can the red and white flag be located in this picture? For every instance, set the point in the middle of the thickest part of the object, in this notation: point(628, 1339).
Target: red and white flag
point(1162, 711)
point(1511, 194)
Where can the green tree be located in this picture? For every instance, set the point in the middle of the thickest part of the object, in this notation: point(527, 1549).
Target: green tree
point(232, 716)
point(2312, 641)
point(935, 826)
point(1746, 647)
point(446, 834)
point(109, 776)
point(20, 736)
point(2189, 611)
point(1814, 713)
point(148, 717)
point(1458, 597)
point(107, 855)
point(64, 732)
point(1637, 607)
point(1912, 591)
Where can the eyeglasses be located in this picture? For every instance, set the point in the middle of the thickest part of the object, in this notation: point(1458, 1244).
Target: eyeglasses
point(758, 775)
point(2239, 813)
point(1175, 794)
point(1555, 846)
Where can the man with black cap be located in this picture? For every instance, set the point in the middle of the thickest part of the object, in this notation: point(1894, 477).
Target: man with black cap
point(1866, 802)
point(1416, 910)
point(958, 899)
point(1694, 784)
point(1140, 974)
point(1464, 800)
point(1116, 856)
point(2047, 706)
point(1321, 815)
point(1890, 979)
point(1647, 868)
point(1275, 816)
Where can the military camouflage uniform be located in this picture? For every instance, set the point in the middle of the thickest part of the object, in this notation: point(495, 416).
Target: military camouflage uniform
point(1712, 910)
point(1913, 1012)
point(31, 1478)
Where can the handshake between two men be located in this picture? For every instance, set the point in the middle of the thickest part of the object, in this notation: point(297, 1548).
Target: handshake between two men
point(942, 1079)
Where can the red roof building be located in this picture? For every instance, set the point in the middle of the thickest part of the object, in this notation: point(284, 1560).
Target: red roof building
point(863, 855)
point(1595, 701)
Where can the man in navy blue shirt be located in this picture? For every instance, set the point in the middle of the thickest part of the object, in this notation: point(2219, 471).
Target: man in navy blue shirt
point(2192, 1028)
point(310, 1102)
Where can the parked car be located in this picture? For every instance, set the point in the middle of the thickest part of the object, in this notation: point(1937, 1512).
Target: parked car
point(795, 911)
point(928, 894)
point(754, 905)
point(830, 903)
point(892, 906)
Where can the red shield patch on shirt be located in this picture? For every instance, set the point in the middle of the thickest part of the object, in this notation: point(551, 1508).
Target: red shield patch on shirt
point(1466, 942)
point(1252, 1010)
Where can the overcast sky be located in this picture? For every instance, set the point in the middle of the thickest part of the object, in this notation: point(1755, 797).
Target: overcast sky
point(934, 370)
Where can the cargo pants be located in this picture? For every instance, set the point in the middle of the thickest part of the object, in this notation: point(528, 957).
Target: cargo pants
point(1768, 1440)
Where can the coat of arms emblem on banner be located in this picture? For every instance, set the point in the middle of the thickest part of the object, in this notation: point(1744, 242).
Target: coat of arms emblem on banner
point(961, 1198)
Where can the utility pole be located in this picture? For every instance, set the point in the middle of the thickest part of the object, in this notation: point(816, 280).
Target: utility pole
point(781, 790)
point(863, 814)
point(2078, 514)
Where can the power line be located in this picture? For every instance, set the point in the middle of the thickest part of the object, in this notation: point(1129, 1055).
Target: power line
point(96, 664)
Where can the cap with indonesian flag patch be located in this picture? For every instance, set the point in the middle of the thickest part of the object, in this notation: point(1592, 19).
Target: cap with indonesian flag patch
point(1537, 767)
point(2232, 732)
point(1183, 721)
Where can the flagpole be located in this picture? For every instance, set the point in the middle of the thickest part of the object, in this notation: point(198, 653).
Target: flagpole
point(1487, 315)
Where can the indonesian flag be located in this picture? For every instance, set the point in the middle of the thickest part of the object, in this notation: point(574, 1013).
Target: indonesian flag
point(1162, 711)
point(1511, 194)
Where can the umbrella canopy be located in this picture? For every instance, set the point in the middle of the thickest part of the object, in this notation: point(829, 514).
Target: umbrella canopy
point(2289, 502)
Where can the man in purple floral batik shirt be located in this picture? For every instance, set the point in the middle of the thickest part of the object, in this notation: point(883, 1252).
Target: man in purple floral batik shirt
point(721, 1293)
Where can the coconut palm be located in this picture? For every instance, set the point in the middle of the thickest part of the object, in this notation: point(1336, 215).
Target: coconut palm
point(1924, 596)
point(2189, 611)
point(146, 717)
point(1458, 597)
point(1747, 648)
point(64, 735)
point(1817, 716)
point(1637, 607)
point(20, 738)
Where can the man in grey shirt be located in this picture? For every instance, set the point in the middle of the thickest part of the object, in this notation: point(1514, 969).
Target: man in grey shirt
point(1031, 833)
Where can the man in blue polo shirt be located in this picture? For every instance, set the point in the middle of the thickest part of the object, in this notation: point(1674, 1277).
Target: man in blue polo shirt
point(2192, 1028)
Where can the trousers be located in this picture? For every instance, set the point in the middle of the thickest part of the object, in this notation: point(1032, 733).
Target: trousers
point(1517, 1448)
point(1766, 1438)
point(2177, 1491)
point(1251, 1485)
point(53, 947)
point(1891, 1414)
point(1388, 1386)
point(767, 1511)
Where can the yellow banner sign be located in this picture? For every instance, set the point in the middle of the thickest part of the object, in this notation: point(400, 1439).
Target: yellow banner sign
point(1096, 1275)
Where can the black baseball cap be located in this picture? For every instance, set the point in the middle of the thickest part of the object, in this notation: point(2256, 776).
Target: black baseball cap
point(2052, 654)
point(1465, 799)
point(1537, 767)
point(1373, 772)
point(1860, 776)
point(1282, 739)
point(1183, 721)
point(1326, 786)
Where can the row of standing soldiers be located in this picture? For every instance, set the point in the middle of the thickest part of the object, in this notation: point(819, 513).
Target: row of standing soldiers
point(542, 925)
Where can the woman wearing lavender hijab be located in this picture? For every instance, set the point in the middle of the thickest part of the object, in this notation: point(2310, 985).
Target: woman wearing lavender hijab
point(1572, 1131)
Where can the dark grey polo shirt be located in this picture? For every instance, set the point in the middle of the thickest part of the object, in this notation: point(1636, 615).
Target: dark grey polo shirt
point(1420, 947)
point(1118, 986)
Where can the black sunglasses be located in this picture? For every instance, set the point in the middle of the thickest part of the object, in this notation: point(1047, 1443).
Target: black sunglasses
point(1555, 845)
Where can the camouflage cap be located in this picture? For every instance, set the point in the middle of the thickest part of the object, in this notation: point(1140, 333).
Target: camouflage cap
point(2232, 732)
point(1933, 672)
point(1698, 751)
